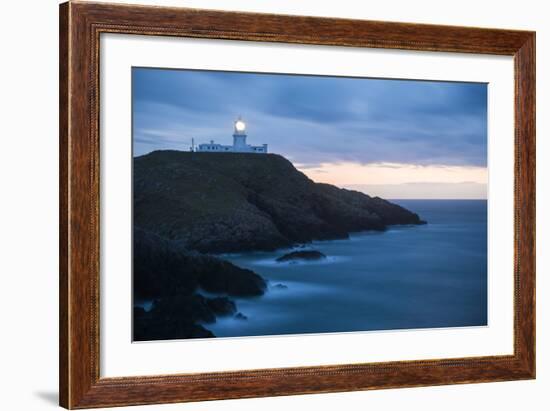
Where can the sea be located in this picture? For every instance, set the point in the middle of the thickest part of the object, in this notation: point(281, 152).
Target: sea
point(407, 277)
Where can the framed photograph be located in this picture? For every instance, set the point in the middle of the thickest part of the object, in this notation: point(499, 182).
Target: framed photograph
point(258, 205)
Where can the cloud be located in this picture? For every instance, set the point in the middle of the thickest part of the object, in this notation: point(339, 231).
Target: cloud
point(314, 120)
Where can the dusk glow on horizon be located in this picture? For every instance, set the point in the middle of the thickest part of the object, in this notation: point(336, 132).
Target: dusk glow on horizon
point(404, 181)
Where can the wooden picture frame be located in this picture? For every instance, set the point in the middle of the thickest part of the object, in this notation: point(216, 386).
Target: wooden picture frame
point(80, 27)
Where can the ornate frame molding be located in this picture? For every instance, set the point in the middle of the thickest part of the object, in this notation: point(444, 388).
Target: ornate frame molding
point(81, 24)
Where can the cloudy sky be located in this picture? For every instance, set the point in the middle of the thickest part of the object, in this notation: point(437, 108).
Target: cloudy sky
point(392, 138)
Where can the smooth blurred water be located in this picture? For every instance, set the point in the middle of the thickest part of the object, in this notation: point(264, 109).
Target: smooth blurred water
point(406, 277)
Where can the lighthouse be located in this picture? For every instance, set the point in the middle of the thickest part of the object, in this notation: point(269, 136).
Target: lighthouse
point(239, 135)
point(239, 142)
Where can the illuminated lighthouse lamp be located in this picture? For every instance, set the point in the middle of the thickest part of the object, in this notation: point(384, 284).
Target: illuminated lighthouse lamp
point(240, 126)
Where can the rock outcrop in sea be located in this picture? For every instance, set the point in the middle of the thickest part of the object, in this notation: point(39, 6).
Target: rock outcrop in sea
point(302, 255)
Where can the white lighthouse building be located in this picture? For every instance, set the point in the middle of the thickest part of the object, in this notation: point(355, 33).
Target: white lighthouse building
point(239, 143)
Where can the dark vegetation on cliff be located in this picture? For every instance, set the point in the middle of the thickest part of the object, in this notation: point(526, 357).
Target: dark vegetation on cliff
point(231, 202)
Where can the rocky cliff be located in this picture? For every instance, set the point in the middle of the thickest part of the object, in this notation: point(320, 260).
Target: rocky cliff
point(174, 279)
point(231, 202)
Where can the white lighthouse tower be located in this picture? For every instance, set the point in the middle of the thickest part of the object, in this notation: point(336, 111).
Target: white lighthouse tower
point(239, 136)
point(239, 143)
